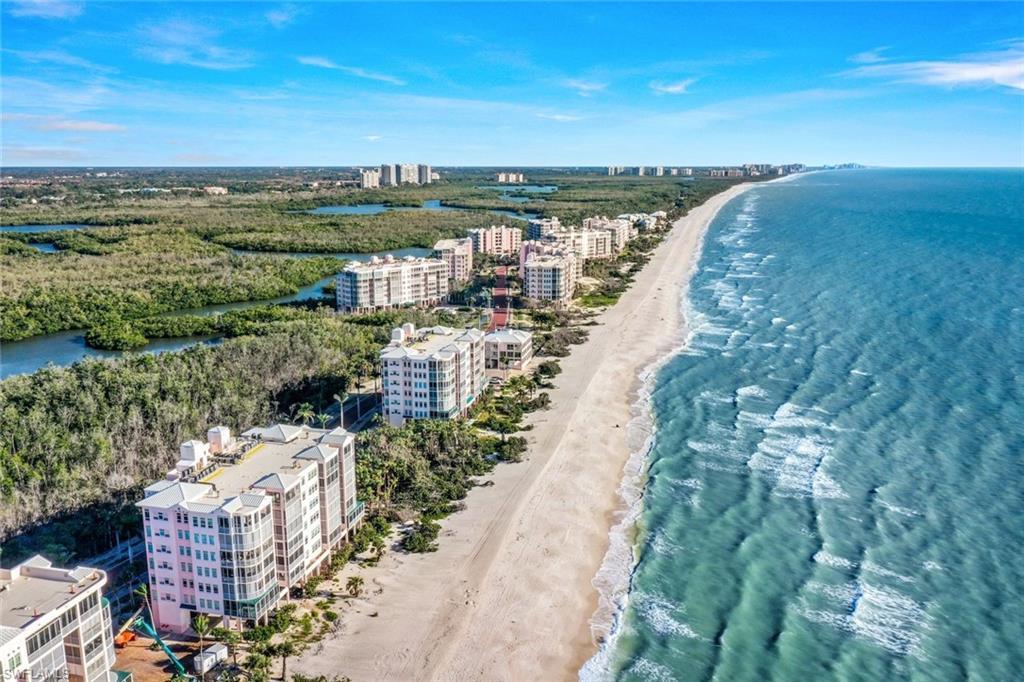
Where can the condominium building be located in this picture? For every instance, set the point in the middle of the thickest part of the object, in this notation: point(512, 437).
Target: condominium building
point(424, 174)
point(644, 222)
point(496, 240)
point(389, 282)
point(549, 277)
point(408, 174)
point(596, 244)
point(369, 178)
point(237, 523)
point(507, 350)
point(457, 255)
point(621, 231)
point(513, 178)
point(432, 373)
point(388, 175)
point(538, 228)
point(54, 623)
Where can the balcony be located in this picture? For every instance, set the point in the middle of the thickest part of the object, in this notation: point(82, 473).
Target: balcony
point(356, 513)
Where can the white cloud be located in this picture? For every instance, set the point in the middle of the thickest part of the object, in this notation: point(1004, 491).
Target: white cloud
point(324, 63)
point(51, 154)
point(56, 57)
point(748, 107)
point(45, 9)
point(282, 16)
point(373, 138)
point(56, 123)
point(676, 88)
point(184, 42)
point(584, 88)
point(561, 118)
point(872, 56)
point(1003, 68)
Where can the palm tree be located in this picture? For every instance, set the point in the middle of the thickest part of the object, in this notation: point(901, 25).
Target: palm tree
point(323, 418)
point(284, 650)
point(341, 407)
point(201, 626)
point(142, 592)
point(354, 585)
point(305, 412)
point(378, 546)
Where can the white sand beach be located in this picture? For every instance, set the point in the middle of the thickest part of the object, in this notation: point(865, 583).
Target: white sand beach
point(509, 594)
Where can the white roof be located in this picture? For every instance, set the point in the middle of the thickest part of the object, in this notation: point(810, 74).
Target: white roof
point(508, 336)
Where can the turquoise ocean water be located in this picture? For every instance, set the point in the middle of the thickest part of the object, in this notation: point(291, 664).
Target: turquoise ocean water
point(836, 485)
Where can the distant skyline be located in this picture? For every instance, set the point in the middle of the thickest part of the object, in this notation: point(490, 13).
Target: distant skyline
point(336, 84)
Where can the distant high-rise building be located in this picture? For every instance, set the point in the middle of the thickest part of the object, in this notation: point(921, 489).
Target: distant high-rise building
point(369, 178)
point(408, 174)
point(388, 175)
point(425, 174)
point(659, 171)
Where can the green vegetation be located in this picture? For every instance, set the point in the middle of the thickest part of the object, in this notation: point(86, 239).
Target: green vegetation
point(141, 275)
point(161, 252)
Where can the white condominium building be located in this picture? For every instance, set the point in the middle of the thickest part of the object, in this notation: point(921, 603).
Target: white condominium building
point(549, 277)
point(507, 349)
point(432, 373)
point(621, 231)
point(423, 174)
point(645, 222)
point(239, 522)
point(538, 228)
point(496, 240)
point(384, 283)
point(54, 623)
point(369, 178)
point(388, 175)
point(457, 255)
point(514, 178)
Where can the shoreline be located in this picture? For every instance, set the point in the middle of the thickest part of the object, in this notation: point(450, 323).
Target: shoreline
point(511, 593)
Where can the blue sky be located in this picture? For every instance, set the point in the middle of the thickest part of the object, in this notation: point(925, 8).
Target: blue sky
point(188, 83)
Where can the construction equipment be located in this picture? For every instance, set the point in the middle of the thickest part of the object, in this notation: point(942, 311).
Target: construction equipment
point(138, 625)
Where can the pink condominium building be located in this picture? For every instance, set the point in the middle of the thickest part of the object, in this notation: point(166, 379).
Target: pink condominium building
point(457, 255)
point(239, 522)
point(496, 240)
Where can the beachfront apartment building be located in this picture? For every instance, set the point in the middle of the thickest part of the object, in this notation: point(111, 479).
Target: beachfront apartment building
point(549, 277)
point(238, 523)
point(507, 350)
point(369, 178)
point(621, 231)
point(54, 623)
point(457, 255)
point(389, 282)
point(496, 240)
point(431, 373)
point(538, 228)
point(424, 174)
